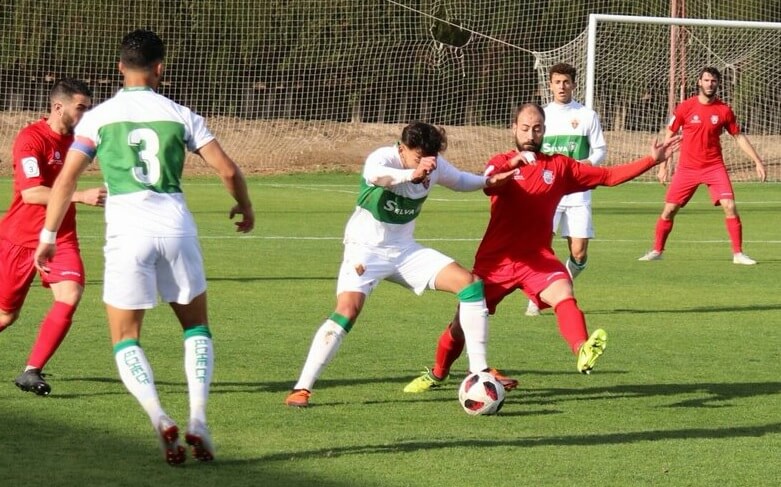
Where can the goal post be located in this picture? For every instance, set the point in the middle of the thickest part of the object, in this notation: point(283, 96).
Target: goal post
point(637, 70)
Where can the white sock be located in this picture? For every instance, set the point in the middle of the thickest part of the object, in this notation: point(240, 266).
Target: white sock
point(573, 268)
point(136, 374)
point(198, 367)
point(474, 322)
point(325, 344)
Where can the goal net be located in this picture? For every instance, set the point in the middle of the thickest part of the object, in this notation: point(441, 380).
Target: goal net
point(317, 84)
point(642, 67)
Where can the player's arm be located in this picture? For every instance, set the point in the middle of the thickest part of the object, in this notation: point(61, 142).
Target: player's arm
point(663, 172)
point(590, 176)
point(59, 200)
point(596, 141)
point(233, 180)
point(748, 149)
point(39, 195)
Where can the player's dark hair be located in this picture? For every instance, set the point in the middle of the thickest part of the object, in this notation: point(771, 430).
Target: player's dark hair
point(141, 49)
point(68, 87)
point(562, 68)
point(711, 71)
point(429, 139)
point(527, 106)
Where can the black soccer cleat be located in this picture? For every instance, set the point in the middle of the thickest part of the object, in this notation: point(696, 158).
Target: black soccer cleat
point(32, 381)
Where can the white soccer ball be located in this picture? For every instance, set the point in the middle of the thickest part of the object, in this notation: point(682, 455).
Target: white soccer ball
point(481, 394)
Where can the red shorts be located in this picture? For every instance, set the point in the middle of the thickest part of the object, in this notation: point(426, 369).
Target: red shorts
point(17, 272)
point(532, 274)
point(686, 180)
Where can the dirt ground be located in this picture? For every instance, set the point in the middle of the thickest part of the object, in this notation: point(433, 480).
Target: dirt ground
point(292, 146)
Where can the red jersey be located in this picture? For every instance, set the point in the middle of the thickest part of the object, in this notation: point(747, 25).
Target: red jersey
point(702, 127)
point(38, 155)
point(522, 210)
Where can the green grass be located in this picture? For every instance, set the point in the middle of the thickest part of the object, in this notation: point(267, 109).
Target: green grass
point(687, 393)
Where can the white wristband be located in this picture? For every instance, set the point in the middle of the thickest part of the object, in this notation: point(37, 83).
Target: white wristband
point(47, 237)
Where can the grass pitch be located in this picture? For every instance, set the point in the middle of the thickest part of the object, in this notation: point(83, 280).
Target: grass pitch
point(687, 393)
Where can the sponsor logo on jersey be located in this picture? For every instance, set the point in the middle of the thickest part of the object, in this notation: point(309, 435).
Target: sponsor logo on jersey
point(30, 167)
point(394, 208)
point(696, 119)
point(547, 176)
point(714, 119)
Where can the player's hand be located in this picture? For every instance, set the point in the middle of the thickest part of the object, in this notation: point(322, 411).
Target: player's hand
point(761, 172)
point(43, 254)
point(663, 151)
point(93, 196)
point(247, 222)
point(500, 178)
point(523, 158)
point(425, 167)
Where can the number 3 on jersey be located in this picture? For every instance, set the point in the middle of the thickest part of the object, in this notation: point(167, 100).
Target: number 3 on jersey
point(146, 145)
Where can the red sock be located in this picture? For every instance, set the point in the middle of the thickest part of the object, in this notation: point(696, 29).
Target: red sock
point(663, 230)
point(735, 231)
point(448, 350)
point(53, 330)
point(572, 323)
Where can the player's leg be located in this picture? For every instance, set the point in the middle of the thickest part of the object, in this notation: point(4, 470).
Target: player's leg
point(66, 281)
point(682, 187)
point(579, 230)
point(325, 345)
point(16, 276)
point(721, 193)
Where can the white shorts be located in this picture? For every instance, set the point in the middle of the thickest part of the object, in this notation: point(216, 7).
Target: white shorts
point(139, 268)
point(415, 268)
point(573, 221)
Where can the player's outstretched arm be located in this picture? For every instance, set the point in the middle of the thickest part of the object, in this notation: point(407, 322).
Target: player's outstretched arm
point(60, 198)
point(234, 182)
point(91, 196)
point(745, 146)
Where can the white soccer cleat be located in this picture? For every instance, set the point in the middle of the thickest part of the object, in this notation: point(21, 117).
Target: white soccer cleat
point(651, 255)
point(742, 259)
point(532, 309)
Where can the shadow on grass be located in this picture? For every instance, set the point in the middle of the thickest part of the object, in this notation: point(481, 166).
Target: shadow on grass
point(695, 309)
point(41, 451)
point(531, 442)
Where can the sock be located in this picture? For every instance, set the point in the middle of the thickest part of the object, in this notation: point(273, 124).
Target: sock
point(53, 329)
point(448, 350)
point(735, 232)
point(663, 230)
point(325, 344)
point(572, 323)
point(198, 367)
point(136, 374)
point(574, 268)
point(473, 315)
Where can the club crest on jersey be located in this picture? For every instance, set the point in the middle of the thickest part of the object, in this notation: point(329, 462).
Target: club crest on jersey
point(714, 119)
point(547, 176)
point(574, 122)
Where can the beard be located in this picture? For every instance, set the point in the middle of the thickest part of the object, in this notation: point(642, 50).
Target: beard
point(530, 146)
point(710, 95)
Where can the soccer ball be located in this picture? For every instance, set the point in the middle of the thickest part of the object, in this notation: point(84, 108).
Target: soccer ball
point(481, 394)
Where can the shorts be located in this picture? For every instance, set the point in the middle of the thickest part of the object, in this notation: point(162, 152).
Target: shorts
point(686, 180)
point(415, 267)
point(138, 269)
point(17, 271)
point(573, 221)
point(532, 274)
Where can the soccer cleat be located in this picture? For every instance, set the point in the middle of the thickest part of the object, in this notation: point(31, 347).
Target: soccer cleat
point(425, 382)
point(169, 441)
point(32, 381)
point(200, 442)
point(651, 255)
point(298, 398)
point(507, 382)
point(591, 350)
point(742, 259)
point(532, 309)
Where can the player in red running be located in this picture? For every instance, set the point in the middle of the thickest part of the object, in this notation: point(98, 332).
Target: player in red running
point(38, 154)
point(516, 253)
point(701, 119)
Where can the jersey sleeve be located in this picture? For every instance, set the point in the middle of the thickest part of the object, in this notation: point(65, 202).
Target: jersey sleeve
point(29, 159)
point(676, 120)
point(457, 180)
point(198, 135)
point(596, 142)
point(731, 122)
point(378, 171)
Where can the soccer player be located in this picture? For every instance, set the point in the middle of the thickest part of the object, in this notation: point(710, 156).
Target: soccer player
point(573, 130)
point(379, 244)
point(140, 139)
point(516, 253)
point(701, 120)
point(38, 153)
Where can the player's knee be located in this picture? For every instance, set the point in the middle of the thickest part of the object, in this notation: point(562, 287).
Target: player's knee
point(7, 319)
